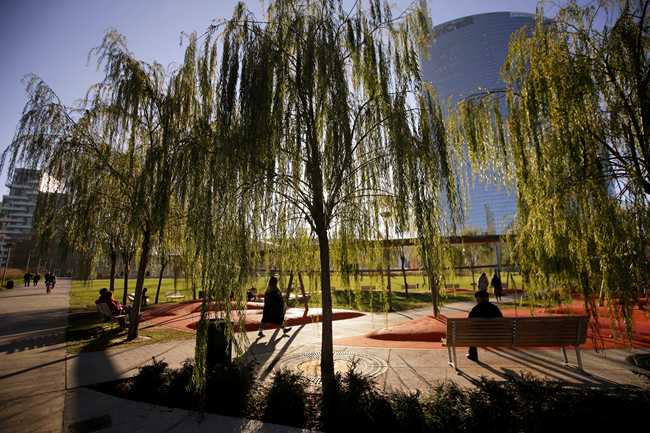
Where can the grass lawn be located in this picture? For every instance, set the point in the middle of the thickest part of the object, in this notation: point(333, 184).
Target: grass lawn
point(84, 293)
point(87, 332)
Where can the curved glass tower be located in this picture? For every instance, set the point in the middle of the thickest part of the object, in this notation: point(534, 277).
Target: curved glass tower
point(465, 58)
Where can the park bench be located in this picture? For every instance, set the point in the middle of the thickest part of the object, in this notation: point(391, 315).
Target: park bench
point(174, 296)
point(299, 298)
point(410, 286)
point(367, 288)
point(131, 298)
point(517, 332)
point(105, 311)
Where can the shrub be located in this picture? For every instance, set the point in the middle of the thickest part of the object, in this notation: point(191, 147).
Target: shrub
point(149, 385)
point(408, 412)
point(358, 406)
point(180, 392)
point(286, 399)
point(228, 388)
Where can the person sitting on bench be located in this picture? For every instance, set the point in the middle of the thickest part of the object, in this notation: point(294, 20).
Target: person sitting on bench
point(483, 309)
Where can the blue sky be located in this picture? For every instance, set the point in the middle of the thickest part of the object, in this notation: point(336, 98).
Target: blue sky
point(52, 38)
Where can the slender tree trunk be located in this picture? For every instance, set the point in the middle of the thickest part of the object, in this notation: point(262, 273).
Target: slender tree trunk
point(406, 285)
point(126, 258)
point(163, 265)
point(111, 282)
point(327, 343)
point(142, 268)
point(302, 291)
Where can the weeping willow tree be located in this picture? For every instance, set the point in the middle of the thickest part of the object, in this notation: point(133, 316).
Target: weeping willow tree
point(135, 112)
point(575, 143)
point(314, 119)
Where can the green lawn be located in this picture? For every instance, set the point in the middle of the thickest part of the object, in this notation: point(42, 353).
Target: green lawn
point(87, 332)
point(84, 293)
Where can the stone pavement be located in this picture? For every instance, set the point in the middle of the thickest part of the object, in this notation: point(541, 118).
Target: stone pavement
point(32, 358)
point(37, 379)
point(393, 368)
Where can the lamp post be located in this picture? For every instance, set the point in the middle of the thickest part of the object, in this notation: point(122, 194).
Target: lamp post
point(385, 215)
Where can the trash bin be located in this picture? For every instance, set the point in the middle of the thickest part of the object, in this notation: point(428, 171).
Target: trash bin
point(219, 346)
point(10, 284)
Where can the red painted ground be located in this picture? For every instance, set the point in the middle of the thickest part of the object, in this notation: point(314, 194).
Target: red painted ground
point(426, 332)
point(421, 333)
point(185, 316)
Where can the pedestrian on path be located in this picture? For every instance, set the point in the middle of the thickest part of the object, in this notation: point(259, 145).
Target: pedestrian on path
point(498, 287)
point(483, 282)
point(36, 279)
point(274, 308)
point(27, 278)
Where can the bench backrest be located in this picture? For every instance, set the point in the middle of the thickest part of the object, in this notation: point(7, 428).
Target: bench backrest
point(517, 331)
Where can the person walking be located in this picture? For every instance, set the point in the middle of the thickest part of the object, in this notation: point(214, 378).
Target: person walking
point(483, 309)
point(274, 308)
point(498, 287)
point(483, 282)
point(27, 278)
point(36, 278)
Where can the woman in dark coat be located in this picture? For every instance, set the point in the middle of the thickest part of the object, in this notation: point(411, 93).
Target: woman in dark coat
point(498, 287)
point(273, 307)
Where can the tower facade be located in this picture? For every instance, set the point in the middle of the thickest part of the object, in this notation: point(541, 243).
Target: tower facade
point(466, 55)
point(17, 210)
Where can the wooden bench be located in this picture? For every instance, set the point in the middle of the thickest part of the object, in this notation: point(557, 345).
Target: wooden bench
point(174, 296)
point(410, 286)
point(517, 332)
point(367, 288)
point(105, 311)
point(131, 298)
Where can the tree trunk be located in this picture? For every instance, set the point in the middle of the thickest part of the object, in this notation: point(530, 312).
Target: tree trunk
point(406, 285)
point(126, 258)
point(435, 288)
point(111, 282)
point(142, 268)
point(163, 265)
point(327, 348)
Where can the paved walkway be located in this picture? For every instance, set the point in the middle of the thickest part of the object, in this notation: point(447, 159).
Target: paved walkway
point(393, 368)
point(38, 380)
point(32, 358)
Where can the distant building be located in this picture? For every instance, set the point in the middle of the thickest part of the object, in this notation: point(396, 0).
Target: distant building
point(17, 210)
point(466, 55)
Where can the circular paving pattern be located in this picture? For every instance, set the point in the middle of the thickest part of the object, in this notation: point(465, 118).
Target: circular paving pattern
point(308, 363)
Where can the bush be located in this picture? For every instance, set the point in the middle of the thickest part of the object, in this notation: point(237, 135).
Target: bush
point(358, 406)
point(286, 399)
point(150, 383)
point(228, 388)
point(180, 391)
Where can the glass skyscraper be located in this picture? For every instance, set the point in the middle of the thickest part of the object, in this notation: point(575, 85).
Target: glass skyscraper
point(466, 55)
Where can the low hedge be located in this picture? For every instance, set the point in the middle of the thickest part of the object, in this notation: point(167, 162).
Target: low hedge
point(519, 404)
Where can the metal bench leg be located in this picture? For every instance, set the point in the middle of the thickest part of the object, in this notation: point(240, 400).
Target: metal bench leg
point(579, 358)
point(451, 362)
point(566, 359)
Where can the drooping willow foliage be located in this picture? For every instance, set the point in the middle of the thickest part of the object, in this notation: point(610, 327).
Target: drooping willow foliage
point(315, 122)
point(288, 143)
point(575, 143)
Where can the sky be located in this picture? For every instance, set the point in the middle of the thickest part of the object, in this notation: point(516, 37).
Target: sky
point(52, 39)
